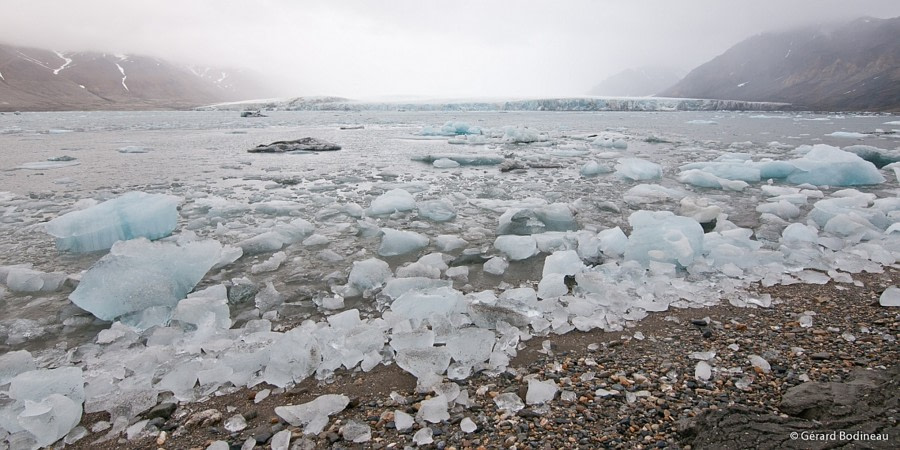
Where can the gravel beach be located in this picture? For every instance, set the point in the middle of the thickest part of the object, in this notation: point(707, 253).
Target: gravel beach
point(771, 372)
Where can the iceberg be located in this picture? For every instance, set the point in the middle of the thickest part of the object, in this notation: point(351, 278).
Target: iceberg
point(827, 165)
point(135, 214)
point(139, 274)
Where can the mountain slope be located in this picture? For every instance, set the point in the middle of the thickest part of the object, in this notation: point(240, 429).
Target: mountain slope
point(34, 79)
point(640, 82)
point(854, 66)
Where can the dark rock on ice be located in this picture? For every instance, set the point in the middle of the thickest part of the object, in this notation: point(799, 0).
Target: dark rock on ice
point(307, 144)
point(252, 114)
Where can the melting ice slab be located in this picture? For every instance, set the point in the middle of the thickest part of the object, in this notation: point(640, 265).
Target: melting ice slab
point(139, 274)
point(314, 415)
point(135, 214)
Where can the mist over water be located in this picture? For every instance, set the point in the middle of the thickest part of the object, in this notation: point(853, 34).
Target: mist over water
point(464, 49)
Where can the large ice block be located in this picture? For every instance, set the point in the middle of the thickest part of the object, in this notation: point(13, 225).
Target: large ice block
point(827, 165)
point(135, 214)
point(139, 274)
point(663, 237)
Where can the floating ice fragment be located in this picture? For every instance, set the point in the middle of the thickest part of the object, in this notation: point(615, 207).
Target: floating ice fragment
point(392, 201)
point(396, 242)
point(369, 274)
point(496, 266)
point(135, 214)
point(638, 169)
point(827, 165)
point(516, 248)
point(139, 274)
point(566, 262)
point(593, 168)
point(445, 163)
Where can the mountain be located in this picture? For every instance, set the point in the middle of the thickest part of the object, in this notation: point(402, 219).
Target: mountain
point(640, 82)
point(41, 80)
point(853, 66)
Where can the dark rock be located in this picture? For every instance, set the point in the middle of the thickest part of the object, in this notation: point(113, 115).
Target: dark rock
point(307, 144)
point(162, 410)
point(820, 356)
point(252, 114)
point(241, 292)
point(468, 260)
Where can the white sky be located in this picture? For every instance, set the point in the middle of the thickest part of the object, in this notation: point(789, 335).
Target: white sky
point(463, 48)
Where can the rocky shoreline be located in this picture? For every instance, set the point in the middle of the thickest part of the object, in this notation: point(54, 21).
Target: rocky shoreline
point(640, 388)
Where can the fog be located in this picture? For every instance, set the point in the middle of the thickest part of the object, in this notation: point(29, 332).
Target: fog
point(366, 49)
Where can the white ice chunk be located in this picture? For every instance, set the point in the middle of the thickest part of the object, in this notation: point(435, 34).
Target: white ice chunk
point(540, 392)
point(434, 410)
point(402, 420)
point(392, 201)
point(437, 210)
point(516, 248)
point(566, 262)
point(356, 431)
point(322, 406)
point(270, 264)
point(827, 165)
point(495, 266)
point(509, 402)
point(420, 305)
point(139, 274)
point(470, 346)
point(638, 169)
point(663, 237)
point(593, 168)
point(448, 243)
point(421, 362)
point(890, 297)
point(396, 242)
point(369, 274)
point(14, 363)
point(51, 418)
point(283, 234)
point(135, 214)
point(36, 385)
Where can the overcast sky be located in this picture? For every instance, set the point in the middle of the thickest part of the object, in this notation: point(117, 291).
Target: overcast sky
point(365, 49)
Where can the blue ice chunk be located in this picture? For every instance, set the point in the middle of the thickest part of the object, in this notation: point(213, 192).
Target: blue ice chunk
point(664, 237)
point(135, 214)
point(775, 169)
point(638, 169)
point(727, 170)
point(827, 165)
point(138, 274)
point(463, 159)
point(450, 128)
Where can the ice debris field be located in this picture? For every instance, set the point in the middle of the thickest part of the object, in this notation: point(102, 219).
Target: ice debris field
point(439, 246)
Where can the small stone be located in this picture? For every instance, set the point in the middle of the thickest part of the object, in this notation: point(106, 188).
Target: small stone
point(820, 356)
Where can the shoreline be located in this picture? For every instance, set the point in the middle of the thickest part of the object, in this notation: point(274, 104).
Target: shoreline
point(650, 407)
